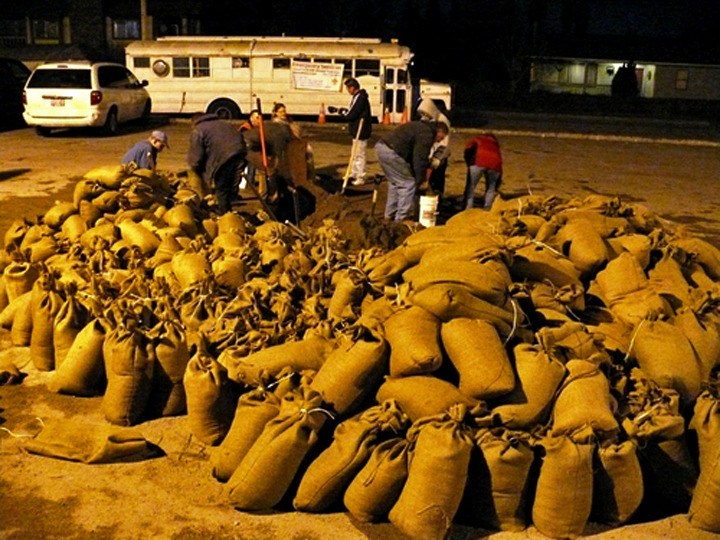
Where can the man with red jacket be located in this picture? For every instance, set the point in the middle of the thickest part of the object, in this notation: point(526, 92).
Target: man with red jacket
point(483, 158)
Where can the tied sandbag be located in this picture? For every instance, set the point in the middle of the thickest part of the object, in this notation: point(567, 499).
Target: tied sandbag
point(171, 359)
point(182, 217)
point(129, 371)
point(449, 301)
point(537, 262)
point(19, 278)
point(704, 253)
point(666, 356)
point(375, 312)
point(638, 245)
point(617, 484)
point(43, 249)
point(308, 353)
point(351, 372)
point(580, 241)
point(377, 486)
point(4, 302)
point(563, 496)
point(387, 268)
point(210, 398)
point(498, 482)
point(83, 371)
point(475, 349)
point(667, 279)
point(90, 443)
point(538, 377)
point(488, 280)
point(348, 293)
point(58, 213)
point(422, 395)
point(563, 299)
point(73, 228)
point(138, 235)
point(108, 176)
point(441, 449)
point(478, 248)
point(584, 400)
point(22, 320)
point(419, 242)
point(229, 271)
point(230, 222)
point(703, 512)
point(704, 337)
point(414, 338)
point(254, 410)
point(7, 313)
point(265, 473)
point(331, 472)
point(71, 318)
point(572, 340)
point(45, 303)
point(190, 267)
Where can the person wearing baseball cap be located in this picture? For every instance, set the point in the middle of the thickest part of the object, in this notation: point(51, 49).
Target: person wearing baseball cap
point(143, 155)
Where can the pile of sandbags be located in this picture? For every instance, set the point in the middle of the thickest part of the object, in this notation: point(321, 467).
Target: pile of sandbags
point(538, 363)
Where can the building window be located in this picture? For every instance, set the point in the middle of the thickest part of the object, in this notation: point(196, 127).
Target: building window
point(126, 29)
point(681, 79)
point(12, 32)
point(168, 27)
point(281, 63)
point(45, 31)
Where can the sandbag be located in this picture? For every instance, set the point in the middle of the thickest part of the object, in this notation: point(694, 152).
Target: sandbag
point(139, 236)
point(441, 449)
point(413, 335)
point(58, 213)
point(19, 278)
point(83, 371)
point(21, 329)
point(348, 293)
point(563, 496)
point(45, 303)
point(265, 473)
point(71, 318)
point(377, 486)
point(171, 356)
point(581, 242)
point(422, 395)
point(351, 372)
point(475, 349)
point(538, 377)
point(533, 262)
point(704, 337)
point(617, 483)
point(190, 267)
point(703, 512)
point(327, 477)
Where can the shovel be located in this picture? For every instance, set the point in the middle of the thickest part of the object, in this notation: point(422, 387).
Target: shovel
point(353, 153)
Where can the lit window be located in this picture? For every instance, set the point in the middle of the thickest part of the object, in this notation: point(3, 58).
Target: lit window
point(126, 29)
point(681, 79)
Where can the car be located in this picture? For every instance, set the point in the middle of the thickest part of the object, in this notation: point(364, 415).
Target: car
point(13, 75)
point(84, 94)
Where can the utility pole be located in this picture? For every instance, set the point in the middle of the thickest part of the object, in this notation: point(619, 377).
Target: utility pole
point(145, 22)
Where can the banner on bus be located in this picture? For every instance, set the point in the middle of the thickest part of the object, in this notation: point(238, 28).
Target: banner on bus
point(317, 76)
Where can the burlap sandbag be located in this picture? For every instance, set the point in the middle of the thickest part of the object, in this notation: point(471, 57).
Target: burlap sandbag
point(617, 484)
point(533, 262)
point(563, 299)
point(307, 353)
point(168, 247)
point(327, 477)
point(140, 236)
point(129, 371)
point(182, 217)
point(377, 486)
point(475, 349)
point(231, 222)
point(422, 395)
point(449, 301)
point(89, 213)
point(667, 279)
point(638, 245)
point(414, 338)
point(71, 318)
point(19, 278)
point(45, 303)
point(572, 340)
point(171, 355)
point(538, 377)
point(498, 483)
point(210, 398)
point(21, 329)
point(254, 410)
point(7, 313)
point(375, 312)
point(83, 371)
point(352, 372)
point(563, 496)
point(703, 512)
point(73, 228)
point(477, 248)
point(419, 242)
point(581, 242)
point(4, 302)
point(229, 271)
point(704, 337)
point(109, 176)
point(58, 213)
point(265, 473)
point(706, 254)
point(348, 292)
point(583, 400)
point(190, 267)
point(387, 268)
point(666, 356)
point(441, 449)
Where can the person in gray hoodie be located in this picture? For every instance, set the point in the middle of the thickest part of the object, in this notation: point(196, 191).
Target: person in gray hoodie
point(217, 153)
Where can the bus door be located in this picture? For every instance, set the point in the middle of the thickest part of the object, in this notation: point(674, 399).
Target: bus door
point(395, 98)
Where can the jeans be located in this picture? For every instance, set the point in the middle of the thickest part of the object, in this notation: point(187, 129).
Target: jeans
point(492, 181)
point(227, 180)
point(401, 183)
point(358, 164)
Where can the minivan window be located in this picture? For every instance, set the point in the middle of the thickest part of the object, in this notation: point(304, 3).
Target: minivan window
point(60, 78)
point(112, 77)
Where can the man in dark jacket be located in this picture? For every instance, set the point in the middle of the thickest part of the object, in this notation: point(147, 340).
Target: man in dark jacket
point(403, 155)
point(217, 153)
point(359, 109)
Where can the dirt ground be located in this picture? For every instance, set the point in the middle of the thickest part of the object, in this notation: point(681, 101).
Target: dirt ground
point(175, 496)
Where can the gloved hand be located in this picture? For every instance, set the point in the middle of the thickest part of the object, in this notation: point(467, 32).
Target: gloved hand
point(332, 109)
point(434, 163)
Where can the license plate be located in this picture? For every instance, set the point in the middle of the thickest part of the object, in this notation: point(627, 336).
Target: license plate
point(57, 102)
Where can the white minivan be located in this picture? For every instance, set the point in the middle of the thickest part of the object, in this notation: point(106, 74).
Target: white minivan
point(84, 94)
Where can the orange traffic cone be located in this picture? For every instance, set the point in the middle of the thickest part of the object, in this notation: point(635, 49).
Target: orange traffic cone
point(386, 117)
point(321, 116)
point(404, 118)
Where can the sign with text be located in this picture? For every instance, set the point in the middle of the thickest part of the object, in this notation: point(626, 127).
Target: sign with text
point(317, 76)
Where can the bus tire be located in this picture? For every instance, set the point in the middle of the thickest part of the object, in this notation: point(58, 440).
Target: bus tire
point(225, 109)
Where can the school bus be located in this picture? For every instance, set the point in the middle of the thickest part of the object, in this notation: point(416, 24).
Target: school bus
point(226, 75)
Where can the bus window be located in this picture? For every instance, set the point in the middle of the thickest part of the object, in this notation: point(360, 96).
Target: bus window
point(367, 67)
point(181, 67)
point(388, 101)
point(400, 101)
point(240, 62)
point(141, 62)
point(201, 67)
point(389, 75)
point(323, 60)
point(347, 63)
point(281, 63)
point(402, 76)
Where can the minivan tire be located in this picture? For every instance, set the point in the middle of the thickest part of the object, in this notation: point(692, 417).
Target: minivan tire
point(111, 122)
